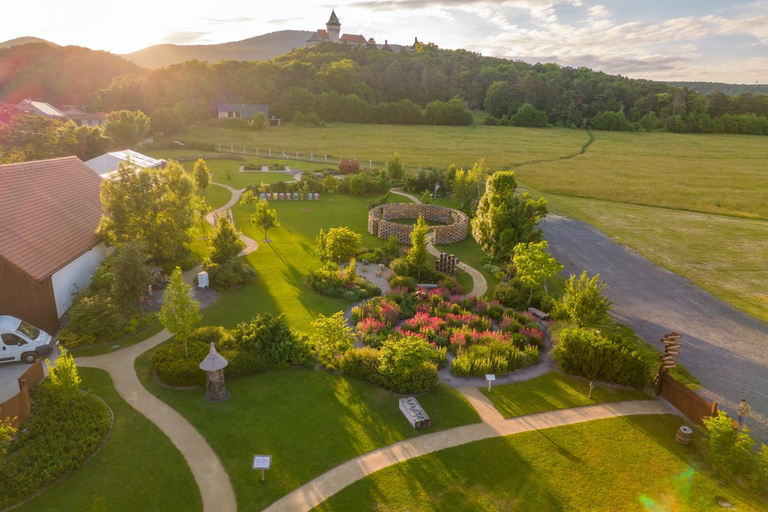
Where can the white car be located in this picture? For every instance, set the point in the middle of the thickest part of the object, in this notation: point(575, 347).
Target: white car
point(21, 341)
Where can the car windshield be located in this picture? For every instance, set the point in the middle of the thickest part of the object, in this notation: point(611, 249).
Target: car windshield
point(28, 331)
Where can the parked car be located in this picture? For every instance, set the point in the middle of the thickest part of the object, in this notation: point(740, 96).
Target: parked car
point(22, 341)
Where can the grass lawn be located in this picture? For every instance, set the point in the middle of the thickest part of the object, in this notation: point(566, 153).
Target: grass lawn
point(555, 390)
point(726, 256)
point(309, 421)
point(713, 173)
point(283, 264)
point(502, 147)
point(137, 468)
point(217, 196)
point(618, 464)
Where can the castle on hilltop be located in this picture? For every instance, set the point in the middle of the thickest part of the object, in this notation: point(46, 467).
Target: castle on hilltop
point(333, 29)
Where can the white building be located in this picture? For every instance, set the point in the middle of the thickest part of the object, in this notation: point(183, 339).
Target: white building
point(109, 162)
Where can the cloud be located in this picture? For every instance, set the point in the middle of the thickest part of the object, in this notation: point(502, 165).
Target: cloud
point(231, 19)
point(184, 36)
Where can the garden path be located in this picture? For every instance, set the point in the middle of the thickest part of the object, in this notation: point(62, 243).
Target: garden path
point(326, 485)
point(480, 284)
point(210, 476)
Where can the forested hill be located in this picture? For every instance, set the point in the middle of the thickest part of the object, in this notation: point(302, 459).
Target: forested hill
point(264, 47)
point(337, 82)
point(57, 74)
point(24, 40)
point(729, 89)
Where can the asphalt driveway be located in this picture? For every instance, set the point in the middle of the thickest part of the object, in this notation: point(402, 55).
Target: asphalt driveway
point(10, 373)
point(727, 350)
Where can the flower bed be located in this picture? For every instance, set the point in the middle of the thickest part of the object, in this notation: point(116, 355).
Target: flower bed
point(484, 336)
point(342, 284)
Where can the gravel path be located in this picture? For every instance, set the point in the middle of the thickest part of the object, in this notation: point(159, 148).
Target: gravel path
point(727, 350)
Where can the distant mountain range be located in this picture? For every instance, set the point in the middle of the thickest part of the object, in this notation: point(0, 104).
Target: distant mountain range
point(24, 40)
point(265, 47)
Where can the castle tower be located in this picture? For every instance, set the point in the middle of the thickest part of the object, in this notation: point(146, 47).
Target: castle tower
point(334, 27)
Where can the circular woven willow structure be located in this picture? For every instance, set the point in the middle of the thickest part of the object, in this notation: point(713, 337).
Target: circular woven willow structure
point(454, 230)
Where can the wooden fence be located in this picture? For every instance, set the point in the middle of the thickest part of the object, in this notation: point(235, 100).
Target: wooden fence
point(693, 406)
point(18, 407)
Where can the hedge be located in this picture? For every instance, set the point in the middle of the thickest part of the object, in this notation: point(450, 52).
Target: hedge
point(585, 353)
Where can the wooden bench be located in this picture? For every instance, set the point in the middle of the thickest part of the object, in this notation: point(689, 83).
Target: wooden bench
point(538, 313)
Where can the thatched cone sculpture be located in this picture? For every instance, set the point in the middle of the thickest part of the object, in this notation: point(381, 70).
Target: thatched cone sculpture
point(213, 365)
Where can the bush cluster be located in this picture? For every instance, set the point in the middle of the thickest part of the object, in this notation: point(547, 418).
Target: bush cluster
point(403, 365)
point(514, 294)
point(330, 280)
point(449, 321)
point(62, 432)
point(264, 343)
point(585, 353)
point(230, 274)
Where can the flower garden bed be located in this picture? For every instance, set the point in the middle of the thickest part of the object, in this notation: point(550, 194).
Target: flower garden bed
point(485, 336)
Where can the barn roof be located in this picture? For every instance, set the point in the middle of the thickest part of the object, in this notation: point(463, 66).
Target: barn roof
point(49, 212)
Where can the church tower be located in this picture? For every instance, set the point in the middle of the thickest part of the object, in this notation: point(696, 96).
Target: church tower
point(334, 27)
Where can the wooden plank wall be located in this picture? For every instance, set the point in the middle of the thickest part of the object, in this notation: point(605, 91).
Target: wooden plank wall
point(27, 299)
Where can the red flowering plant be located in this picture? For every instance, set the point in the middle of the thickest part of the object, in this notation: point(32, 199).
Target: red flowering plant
point(372, 331)
point(389, 312)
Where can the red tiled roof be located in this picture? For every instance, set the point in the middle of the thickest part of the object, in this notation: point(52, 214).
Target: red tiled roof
point(353, 38)
point(323, 33)
point(49, 211)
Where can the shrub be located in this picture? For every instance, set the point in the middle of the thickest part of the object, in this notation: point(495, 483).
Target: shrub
point(731, 453)
point(92, 318)
point(407, 364)
point(62, 432)
point(329, 280)
point(363, 364)
point(582, 352)
point(479, 360)
point(173, 368)
point(226, 242)
point(266, 339)
point(64, 377)
point(332, 338)
point(230, 274)
point(396, 281)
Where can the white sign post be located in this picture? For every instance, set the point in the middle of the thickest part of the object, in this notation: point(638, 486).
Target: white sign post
point(490, 377)
point(262, 462)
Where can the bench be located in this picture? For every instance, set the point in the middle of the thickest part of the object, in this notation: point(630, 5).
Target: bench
point(538, 313)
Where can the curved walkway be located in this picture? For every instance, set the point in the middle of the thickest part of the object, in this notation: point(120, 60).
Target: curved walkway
point(326, 485)
point(480, 284)
point(210, 476)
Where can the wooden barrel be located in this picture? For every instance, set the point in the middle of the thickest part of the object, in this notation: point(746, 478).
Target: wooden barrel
point(684, 435)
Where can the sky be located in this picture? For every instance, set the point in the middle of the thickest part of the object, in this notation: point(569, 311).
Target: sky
point(696, 40)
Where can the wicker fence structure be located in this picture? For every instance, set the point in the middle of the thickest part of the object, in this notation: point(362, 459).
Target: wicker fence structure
point(454, 230)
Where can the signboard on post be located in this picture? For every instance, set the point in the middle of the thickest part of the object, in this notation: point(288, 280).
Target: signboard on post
point(490, 377)
point(262, 462)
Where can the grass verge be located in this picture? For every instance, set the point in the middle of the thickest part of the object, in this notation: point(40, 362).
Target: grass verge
point(552, 391)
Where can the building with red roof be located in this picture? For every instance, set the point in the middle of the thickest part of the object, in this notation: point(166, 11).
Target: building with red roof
point(49, 213)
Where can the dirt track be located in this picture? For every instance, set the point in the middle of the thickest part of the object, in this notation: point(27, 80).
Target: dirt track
point(727, 350)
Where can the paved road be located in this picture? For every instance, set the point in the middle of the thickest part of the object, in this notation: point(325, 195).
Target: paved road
point(725, 349)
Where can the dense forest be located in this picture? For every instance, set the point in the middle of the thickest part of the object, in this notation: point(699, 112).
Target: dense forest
point(334, 82)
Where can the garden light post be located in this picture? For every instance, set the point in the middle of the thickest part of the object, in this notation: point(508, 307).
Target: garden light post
point(213, 365)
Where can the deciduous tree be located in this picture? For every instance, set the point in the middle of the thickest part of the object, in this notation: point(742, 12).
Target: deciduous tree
point(505, 219)
point(534, 265)
point(337, 245)
point(584, 300)
point(132, 273)
point(395, 168)
point(126, 128)
point(417, 254)
point(180, 311)
point(156, 206)
point(263, 216)
point(331, 338)
point(202, 175)
point(226, 242)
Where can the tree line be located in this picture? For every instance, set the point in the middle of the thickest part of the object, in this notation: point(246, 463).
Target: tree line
point(337, 82)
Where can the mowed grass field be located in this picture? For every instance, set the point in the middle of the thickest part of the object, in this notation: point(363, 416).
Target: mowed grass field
point(437, 146)
point(618, 464)
point(721, 174)
point(694, 204)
